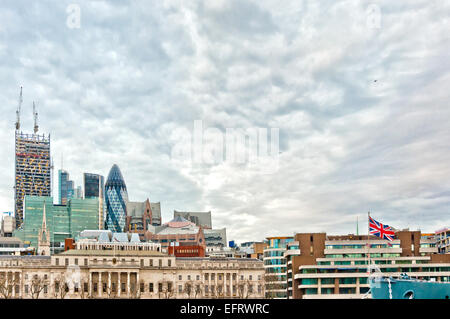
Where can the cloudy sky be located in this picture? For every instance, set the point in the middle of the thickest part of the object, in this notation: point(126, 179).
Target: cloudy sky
point(359, 91)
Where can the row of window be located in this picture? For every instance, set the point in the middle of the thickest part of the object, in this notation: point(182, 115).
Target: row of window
point(219, 277)
point(85, 261)
point(330, 291)
point(361, 246)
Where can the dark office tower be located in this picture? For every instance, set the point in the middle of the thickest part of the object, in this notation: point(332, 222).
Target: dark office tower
point(66, 188)
point(93, 185)
point(116, 198)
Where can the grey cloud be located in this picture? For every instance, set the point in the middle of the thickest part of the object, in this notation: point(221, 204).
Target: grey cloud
point(118, 89)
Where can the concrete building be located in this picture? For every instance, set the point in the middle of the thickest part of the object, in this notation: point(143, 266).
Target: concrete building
point(178, 231)
point(215, 237)
point(202, 219)
point(337, 266)
point(8, 225)
point(14, 246)
point(132, 270)
point(442, 238)
point(219, 251)
point(253, 249)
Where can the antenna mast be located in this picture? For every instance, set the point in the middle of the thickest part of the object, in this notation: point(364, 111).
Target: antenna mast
point(18, 110)
point(35, 116)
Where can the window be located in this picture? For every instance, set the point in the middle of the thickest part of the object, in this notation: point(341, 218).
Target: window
point(180, 277)
point(198, 277)
point(160, 287)
point(180, 288)
point(76, 261)
point(169, 263)
point(189, 277)
point(142, 287)
point(160, 263)
point(150, 287)
point(151, 262)
point(250, 277)
point(57, 261)
point(67, 261)
point(85, 261)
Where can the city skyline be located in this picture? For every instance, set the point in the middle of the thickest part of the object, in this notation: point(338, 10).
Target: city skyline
point(361, 108)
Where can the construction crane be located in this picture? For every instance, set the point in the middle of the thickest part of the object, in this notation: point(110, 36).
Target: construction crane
point(18, 110)
point(35, 116)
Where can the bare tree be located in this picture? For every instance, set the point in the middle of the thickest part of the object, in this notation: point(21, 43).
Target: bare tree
point(60, 287)
point(241, 289)
point(271, 284)
point(166, 290)
point(188, 288)
point(220, 291)
point(198, 290)
point(262, 288)
point(38, 284)
point(245, 289)
point(135, 290)
point(8, 284)
point(111, 290)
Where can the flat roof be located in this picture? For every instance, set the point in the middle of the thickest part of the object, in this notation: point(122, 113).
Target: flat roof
point(112, 253)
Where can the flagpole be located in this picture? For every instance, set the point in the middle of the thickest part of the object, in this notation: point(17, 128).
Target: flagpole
point(368, 242)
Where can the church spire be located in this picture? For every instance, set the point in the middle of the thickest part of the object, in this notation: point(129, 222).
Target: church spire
point(44, 236)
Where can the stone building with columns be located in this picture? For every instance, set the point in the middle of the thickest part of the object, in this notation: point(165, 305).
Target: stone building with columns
point(126, 270)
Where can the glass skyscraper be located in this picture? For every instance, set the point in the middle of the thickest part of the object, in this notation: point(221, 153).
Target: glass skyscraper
point(66, 189)
point(116, 198)
point(93, 183)
point(62, 221)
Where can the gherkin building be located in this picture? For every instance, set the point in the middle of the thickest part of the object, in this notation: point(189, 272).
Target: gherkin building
point(116, 198)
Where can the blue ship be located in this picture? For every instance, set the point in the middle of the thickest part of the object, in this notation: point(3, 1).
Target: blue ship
point(408, 288)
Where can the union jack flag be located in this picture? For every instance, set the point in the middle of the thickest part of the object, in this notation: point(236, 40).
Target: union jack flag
point(381, 230)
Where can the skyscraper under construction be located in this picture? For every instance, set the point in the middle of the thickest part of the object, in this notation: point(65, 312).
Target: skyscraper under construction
point(32, 165)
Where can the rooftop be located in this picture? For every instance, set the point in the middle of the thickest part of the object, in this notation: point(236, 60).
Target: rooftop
point(113, 253)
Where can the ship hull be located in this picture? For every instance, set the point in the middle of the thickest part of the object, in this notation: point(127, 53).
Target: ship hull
point(384, 288)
